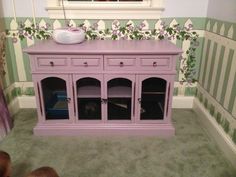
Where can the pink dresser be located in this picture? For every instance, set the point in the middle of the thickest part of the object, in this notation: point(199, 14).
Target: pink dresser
point(104, 87)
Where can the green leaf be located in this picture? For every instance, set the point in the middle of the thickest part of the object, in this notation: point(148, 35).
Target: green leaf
point(7, 32)
point(160, 37)
point(21, 37)
point(114, 36)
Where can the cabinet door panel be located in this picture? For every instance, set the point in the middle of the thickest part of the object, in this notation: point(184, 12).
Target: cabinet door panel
point(88, 98)
point(152, 98)
point(119, 98)
point(55, 98)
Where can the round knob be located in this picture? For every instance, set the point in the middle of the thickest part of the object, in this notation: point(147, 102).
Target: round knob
point(139, 100)
point(51, 63)
point(121, 63)
point(154, 64)
point(104, 101)
point(86, 63)
point(68, 100)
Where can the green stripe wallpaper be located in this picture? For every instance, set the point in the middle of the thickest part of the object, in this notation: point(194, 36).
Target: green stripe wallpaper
point(212, 65)
point(222, 52)
point(217, 74)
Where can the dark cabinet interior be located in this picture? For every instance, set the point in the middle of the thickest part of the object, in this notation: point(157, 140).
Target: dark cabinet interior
point(153, 99)
point(89, 99)
point(119, 99)
point(55, 98)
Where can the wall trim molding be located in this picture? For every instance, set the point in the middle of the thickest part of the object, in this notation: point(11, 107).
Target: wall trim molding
point(215, 131)
point(14, 106)
point(148, 9)
point(180, 102)
point(27, 102)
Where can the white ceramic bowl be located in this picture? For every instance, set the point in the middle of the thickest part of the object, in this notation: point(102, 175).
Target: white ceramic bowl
point(68, 35)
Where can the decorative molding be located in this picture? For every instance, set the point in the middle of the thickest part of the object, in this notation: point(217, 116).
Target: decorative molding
point(148, 9)
point(23, 84)
point(222, 139)
point(106, 13)
point(160, 130)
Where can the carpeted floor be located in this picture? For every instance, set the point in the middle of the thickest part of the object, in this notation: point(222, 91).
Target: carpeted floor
point(191, 153)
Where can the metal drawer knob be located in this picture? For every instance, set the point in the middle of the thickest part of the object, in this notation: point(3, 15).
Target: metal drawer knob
point(104, 101)
point(154, 63)
point(139, 100)
point(121, 63)
point(51, 63)
point(85, 63)
point(68, 100)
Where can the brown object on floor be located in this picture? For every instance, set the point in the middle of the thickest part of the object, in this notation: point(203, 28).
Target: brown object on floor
point(43, 172)
point(5, 164)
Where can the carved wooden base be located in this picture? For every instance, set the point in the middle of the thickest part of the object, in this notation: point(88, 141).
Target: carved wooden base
point(160, 130)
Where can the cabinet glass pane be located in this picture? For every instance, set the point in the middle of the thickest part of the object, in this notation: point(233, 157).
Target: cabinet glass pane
point(153, 99)
point(119, 99)
point(55, 98)
point(89, 99)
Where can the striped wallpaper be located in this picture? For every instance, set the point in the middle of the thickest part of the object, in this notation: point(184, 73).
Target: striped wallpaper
point(217, 73)
point(18, 67)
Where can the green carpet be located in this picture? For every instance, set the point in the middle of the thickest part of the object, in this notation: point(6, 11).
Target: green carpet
point(191, 153)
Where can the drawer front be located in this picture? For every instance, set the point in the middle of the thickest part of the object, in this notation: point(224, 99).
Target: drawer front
point(120, 63)
point(155, 63)
point(51, 63)
point(85, 63)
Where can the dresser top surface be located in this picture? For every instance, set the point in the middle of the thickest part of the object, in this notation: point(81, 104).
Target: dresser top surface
point(106, 47)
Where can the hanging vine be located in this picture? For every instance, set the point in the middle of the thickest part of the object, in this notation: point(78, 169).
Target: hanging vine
point(128, 32)
point(2, 53)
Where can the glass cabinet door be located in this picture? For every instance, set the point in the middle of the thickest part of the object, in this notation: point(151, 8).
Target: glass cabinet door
point(152, 101)
point(119, 99)
point(89, 99)
point(55, 98)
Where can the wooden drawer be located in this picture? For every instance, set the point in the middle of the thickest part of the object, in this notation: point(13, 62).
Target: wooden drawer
point(87, 63)
point(50, 63)
point(120, 63)
point(155, 63)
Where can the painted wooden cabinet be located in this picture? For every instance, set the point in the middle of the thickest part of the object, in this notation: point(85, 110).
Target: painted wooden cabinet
point(104, 87)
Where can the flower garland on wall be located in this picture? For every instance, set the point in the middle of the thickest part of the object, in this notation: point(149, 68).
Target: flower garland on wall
point(128, 32)
point(2, 52)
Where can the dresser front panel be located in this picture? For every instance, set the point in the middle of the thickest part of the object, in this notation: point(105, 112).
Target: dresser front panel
point(51, 63)
point(120, 62)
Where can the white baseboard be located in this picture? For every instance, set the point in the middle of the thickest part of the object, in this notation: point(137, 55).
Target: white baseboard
point(222, 139)
point(178, 102)
point(14, 106)
point(27, 102)
point(183, 102)
point(20, 103)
